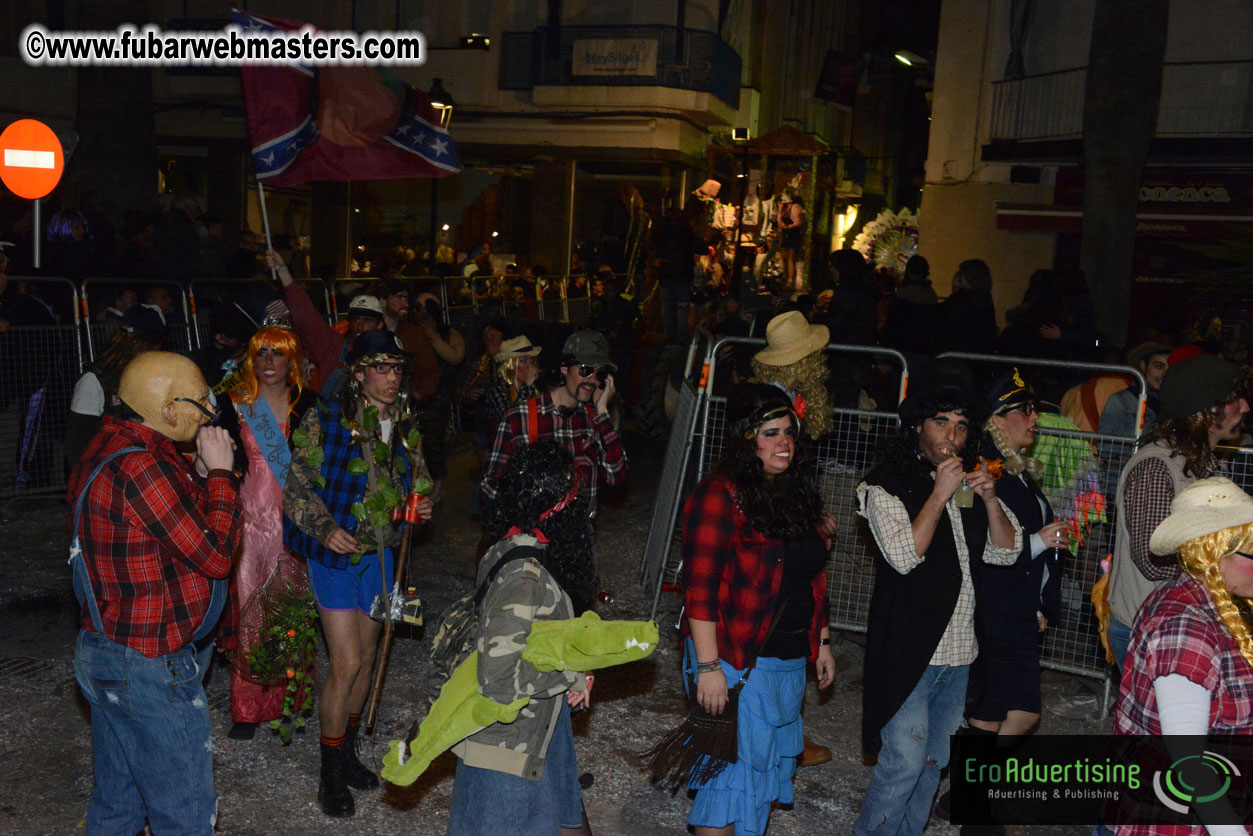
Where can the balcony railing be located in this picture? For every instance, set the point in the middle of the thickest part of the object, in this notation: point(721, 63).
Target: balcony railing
point(687, 59)
point(1199, 99)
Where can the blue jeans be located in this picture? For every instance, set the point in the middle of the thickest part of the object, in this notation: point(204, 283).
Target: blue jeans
point(915, 749)
point(488, 802)
point(1119, 638)
point(151, 740)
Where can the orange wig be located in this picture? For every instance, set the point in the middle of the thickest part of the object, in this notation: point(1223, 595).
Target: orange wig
point(282, 340)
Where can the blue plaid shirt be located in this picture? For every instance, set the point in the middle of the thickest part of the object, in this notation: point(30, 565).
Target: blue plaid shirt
point(313, 513)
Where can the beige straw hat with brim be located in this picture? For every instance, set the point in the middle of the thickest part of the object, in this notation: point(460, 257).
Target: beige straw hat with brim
point(790, 337)
point(1204, 507)
point(517, 347)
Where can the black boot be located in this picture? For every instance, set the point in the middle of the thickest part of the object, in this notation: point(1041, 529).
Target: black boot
point(358, 775)
point(333, 792)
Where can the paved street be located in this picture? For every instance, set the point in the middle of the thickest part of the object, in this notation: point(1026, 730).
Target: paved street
point(267, 788)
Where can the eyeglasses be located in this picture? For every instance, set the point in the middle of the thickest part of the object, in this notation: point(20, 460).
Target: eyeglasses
point(388, 368)
point(211, 415)
point(1026, 408)
point(587, 371)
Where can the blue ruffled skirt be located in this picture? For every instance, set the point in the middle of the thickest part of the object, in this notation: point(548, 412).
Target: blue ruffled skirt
point(769, 739)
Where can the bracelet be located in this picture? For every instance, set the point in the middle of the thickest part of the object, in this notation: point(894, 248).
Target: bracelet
point(824, 642)
point(708, 667)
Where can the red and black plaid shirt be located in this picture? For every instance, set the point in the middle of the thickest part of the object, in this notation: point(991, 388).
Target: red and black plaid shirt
point(592, 440)
point(732, 574)
point(1177, 631)
point(153, 535)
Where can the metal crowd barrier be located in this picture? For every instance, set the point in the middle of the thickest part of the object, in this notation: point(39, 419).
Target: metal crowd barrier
point(665, 515)
point(183, 336)
point(843, 458)
point(1080, 481)
point(467, 310)
point(39, 365)
point(204, 295)
point(1081, 471)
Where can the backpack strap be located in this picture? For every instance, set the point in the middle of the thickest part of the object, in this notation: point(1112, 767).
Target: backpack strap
point(532, 420)
point(516, 553)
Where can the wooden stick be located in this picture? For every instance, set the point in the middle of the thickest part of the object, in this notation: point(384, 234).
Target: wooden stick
point(265, 222)
point(380, 670)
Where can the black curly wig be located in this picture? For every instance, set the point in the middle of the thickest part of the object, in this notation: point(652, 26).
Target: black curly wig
point(536, 478)
point(786, 506)
point(916, 409)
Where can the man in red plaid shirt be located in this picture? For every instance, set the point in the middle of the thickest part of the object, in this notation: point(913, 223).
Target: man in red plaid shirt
point(157, 535)
point(574, 414)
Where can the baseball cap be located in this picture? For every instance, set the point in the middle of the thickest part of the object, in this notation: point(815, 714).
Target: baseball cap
point(364, 305)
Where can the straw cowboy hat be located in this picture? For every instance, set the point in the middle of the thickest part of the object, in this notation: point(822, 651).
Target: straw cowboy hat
point(790, 337)
point(1204, 507)
point(517, 347)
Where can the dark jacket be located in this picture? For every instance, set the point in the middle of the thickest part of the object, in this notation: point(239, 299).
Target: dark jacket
point(967, 323)
point(912, 320)
point(853, 313)
point(1008, 597)
point(909, 613)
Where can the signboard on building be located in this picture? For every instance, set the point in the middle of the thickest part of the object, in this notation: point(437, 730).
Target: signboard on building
point(622, 56)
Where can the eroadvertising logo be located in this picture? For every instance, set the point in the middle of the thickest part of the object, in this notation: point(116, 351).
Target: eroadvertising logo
point(1090, 779)
point(1195, 779)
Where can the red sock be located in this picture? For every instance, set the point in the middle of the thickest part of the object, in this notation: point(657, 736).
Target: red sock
point(354, 720)
point(333, 742)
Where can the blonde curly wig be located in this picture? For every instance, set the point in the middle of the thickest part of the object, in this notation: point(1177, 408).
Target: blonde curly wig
point(1200, 557)
point(1016, 461)
point(507, 369)
point(808, 378)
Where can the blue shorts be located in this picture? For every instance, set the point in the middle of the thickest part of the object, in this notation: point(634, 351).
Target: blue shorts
point(354, 586)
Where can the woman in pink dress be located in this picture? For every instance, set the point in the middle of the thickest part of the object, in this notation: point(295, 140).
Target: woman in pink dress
point(267, 405)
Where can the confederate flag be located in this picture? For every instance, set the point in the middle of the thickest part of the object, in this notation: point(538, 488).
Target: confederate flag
point(337, 123)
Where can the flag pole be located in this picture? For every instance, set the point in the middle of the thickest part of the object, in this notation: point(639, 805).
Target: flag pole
point(265, 222)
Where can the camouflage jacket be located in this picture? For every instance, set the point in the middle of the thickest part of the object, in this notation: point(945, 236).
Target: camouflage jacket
point(522, 592)
point(320, 491)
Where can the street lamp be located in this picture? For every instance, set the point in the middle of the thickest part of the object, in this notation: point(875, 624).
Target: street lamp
point(910, 59)
point(442, 102)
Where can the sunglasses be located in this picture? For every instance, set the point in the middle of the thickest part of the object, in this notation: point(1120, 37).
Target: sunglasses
point(601, 372)
point(387, 368)
point(1026, 408)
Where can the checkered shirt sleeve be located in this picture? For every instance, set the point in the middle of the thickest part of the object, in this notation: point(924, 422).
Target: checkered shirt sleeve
point(893, 532)
point(592, 441)
point(1146, 498)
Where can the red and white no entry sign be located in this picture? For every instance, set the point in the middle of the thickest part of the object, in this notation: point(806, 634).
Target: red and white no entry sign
point(31, 159)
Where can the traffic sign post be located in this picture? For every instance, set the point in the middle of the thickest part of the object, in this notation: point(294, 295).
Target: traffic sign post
point(31, 164)
point(31, 159)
